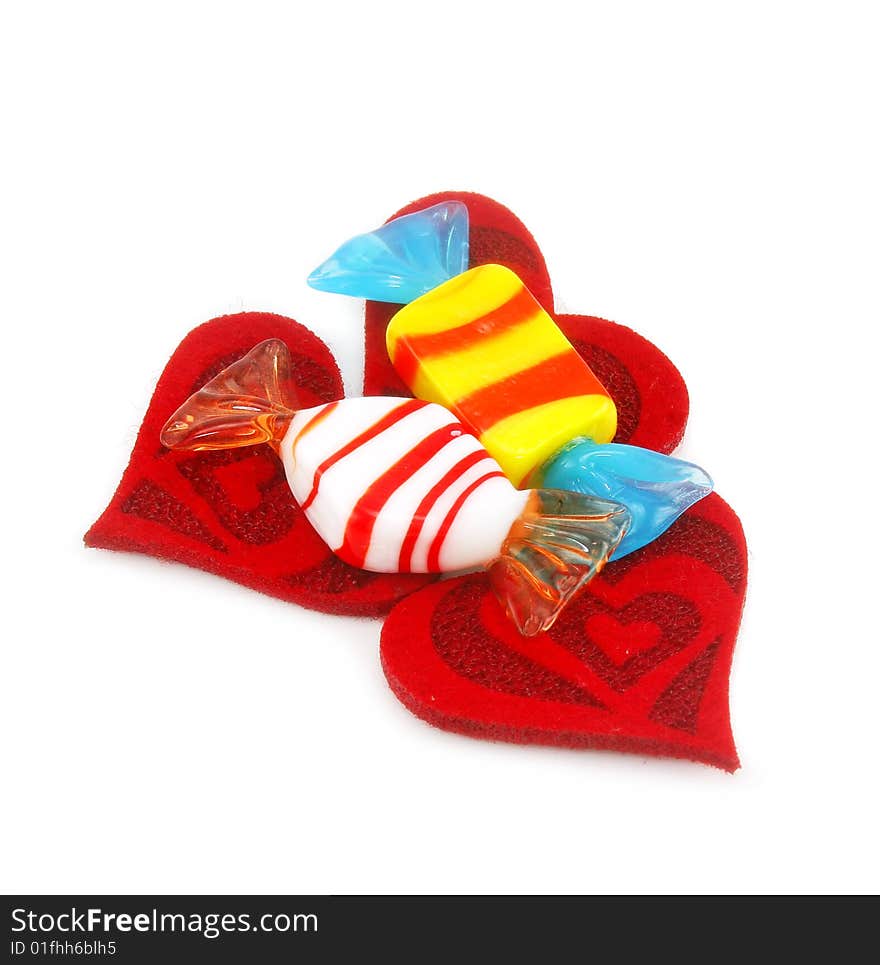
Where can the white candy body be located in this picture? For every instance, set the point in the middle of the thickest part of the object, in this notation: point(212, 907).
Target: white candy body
point(395, 485)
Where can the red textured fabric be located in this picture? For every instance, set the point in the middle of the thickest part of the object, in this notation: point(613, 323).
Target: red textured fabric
point(639, 662)
point(231, 512)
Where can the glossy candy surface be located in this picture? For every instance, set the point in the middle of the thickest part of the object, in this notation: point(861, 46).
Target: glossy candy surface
point(482, 346)
point(397, 485)
point(401, 260)
point(655, 488)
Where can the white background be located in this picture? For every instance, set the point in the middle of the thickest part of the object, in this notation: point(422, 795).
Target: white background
point(705, 173)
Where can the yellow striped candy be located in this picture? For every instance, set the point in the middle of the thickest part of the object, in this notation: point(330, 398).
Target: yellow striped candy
point(481, 345)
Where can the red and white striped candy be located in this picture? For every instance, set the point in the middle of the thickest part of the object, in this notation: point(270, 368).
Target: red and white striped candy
point(398, 485)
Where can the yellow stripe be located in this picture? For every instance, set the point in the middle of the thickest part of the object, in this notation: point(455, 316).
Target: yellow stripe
point(456, 302)
point(448, 378)
point(523, 442)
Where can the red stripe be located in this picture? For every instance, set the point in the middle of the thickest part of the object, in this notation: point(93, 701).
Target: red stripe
point(558, 377)
point(410, 350)
point(401, 412)
point(359, 528)
point(427, 504)
point(434, 553)
point(317, 418)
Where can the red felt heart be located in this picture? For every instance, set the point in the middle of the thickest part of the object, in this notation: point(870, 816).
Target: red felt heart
point(639, 661)
point(453, 658)
point(231, 512)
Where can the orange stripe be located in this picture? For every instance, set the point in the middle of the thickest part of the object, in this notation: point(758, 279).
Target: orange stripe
point(427, 504)
point(559, 377)
point(410, 350)
point(433, 565)
point(401, 412)
point(361, 522)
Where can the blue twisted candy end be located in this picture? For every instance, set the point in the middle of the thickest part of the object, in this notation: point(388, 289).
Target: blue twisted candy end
point(401, 260)
point(656, 489)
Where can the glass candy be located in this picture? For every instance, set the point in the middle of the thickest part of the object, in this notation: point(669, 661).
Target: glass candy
point(249, 402)
point(401, 260)
point(655, 488)
point(399, 485)
point(481, 345)
point(553, 549)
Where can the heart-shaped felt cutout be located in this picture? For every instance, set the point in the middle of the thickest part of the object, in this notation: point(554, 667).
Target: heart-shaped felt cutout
point(640, 660)
point(231, 512)
point(452, 657)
